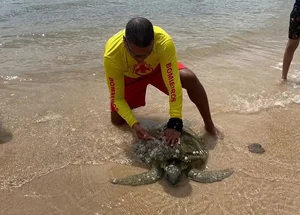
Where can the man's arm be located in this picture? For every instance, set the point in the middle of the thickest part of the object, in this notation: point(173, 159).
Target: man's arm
point(171, 76)
point(116, 86)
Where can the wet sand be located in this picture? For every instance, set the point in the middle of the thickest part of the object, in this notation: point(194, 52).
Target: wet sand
point(61, 149)
point(266, 183)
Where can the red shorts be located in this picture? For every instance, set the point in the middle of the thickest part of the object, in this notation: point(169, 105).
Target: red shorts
point(135, 88)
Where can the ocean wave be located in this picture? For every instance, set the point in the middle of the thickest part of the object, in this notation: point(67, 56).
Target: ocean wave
point(13, 78)
point(261, 101)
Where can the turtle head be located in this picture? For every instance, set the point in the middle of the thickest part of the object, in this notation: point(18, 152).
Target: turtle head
point(173, 174)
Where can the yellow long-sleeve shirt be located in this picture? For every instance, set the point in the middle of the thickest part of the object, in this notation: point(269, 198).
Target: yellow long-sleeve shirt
point(119, 63)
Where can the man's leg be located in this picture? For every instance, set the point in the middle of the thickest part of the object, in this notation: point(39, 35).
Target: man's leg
point(291, 47)
point(116, 119)
point(195, 90)
point(197, 95)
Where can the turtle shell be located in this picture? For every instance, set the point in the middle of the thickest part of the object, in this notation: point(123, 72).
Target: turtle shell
point(156, 151)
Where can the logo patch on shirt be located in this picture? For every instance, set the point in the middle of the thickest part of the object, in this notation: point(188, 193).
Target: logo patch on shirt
point(142, 69)
point(113, 93)
point(171, 82)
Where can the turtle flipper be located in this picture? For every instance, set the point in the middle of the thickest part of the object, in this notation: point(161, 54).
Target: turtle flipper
point(149, 177)
point(209, 176)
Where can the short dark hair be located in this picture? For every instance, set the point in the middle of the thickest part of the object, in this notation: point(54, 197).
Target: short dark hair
point(139, 31)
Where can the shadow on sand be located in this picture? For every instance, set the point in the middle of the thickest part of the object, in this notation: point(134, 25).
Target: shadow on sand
point(5, 135)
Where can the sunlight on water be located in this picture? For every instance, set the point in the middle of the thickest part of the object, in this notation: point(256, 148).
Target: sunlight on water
point(40, 35)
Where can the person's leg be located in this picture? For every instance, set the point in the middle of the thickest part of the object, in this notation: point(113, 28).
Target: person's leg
point(116, 119)
point(293, 42)
point(135, 92)
point(195, 91)
point(291, 47)
point(198, 96)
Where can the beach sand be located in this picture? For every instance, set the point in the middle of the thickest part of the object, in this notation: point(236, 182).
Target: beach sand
point(59, 164)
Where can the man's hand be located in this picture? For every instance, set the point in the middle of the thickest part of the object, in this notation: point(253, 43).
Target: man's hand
point(172, 136)
point(141, 132)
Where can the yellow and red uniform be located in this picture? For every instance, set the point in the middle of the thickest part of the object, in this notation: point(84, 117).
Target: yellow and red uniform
point(126, 78)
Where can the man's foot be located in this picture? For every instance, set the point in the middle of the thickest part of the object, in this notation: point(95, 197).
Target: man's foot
point(212, 137)
point(211, 130)
point(214, 132)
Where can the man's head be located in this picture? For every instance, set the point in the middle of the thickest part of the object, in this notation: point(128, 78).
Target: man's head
point(139, 37)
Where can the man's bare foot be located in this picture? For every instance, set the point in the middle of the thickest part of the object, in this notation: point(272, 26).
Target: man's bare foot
point(212, 140)
point(214, 132)
point(211, 130)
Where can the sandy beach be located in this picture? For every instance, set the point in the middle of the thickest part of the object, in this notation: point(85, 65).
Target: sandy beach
point(58, 148)
point(262, 183)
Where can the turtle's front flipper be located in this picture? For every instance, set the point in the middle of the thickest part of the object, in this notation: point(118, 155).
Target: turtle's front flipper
point(150, 177)
point(209, 176)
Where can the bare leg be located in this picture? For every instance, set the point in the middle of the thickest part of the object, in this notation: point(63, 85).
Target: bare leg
point(116, 119)
point(197, 94)
point(291, 47)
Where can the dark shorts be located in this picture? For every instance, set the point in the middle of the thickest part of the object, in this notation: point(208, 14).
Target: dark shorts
point(135, 88)
point(294, 27)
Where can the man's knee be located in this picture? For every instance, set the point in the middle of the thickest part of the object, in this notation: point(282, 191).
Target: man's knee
point(187, 77)
point(116, 119)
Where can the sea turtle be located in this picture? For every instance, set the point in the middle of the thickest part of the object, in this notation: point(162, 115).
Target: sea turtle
point(163, 159)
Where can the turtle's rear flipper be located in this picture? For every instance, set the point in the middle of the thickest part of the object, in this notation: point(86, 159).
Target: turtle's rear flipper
point(209, 176)
point(150, 177)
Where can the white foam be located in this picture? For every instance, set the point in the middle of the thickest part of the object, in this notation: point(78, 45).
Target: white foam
point(47, 118)
point(256, 102)
point(278, 66)
point(294, 74)
point(9, 78)
point(296, 86)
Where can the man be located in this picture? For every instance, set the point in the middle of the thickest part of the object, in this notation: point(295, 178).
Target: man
point(293, 42)
point(144, 54)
